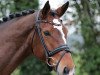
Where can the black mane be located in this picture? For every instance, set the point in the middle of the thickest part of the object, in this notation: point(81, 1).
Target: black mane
point(17, 14)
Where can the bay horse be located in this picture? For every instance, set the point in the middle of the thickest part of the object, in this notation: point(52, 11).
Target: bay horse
point(42, 34)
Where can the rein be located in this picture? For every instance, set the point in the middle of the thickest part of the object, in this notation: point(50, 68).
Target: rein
point(48, 53)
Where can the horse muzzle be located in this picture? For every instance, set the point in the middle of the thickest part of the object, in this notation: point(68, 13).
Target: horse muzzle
point(66, 71)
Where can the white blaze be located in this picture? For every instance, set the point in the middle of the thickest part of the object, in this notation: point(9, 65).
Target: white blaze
point(72, 72)
point(60, 28)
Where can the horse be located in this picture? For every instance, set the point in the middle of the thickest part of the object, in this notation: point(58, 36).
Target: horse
point(40, 33)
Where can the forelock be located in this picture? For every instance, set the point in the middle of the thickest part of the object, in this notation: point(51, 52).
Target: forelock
point(53, 13)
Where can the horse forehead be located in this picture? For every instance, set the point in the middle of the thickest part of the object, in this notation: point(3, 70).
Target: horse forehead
point(60, 28)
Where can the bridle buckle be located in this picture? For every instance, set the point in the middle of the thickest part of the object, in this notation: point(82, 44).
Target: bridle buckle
point(51, 59)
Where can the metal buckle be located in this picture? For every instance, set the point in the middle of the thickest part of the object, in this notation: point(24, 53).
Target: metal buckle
point(49, 59)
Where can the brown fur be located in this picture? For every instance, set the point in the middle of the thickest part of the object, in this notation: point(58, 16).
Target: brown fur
point(16, 41)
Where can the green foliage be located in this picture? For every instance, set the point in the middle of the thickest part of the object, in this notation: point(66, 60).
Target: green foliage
point(90, 61)
point(4, 5)
point(13, 6)
point(20, 5)
point(77, 60)
point(33, 66)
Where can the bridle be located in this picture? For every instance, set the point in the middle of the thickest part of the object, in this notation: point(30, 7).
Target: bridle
point(48, 53)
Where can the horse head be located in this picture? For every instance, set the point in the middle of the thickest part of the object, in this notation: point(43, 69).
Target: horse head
point(50, 40)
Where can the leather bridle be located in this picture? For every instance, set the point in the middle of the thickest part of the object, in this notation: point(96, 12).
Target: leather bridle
point(49, 53)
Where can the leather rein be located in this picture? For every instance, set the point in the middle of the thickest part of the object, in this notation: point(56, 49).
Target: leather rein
point(49, 53)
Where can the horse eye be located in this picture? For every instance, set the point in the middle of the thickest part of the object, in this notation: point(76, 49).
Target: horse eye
point(46, 33)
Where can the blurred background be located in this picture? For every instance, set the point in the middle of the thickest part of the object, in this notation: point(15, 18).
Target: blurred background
point(83, 22)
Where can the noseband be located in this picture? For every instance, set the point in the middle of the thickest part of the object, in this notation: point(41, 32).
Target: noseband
point(48, 53)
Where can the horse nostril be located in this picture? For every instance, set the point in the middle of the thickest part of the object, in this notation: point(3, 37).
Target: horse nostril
point(66, 71)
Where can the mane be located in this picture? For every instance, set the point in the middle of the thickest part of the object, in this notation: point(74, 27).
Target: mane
point(16, 15)
point(20, 14)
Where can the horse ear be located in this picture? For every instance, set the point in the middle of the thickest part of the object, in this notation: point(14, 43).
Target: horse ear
point(45, 9)
point(61, 10)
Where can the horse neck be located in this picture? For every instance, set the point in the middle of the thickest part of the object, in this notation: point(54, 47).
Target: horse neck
point(15, 44)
